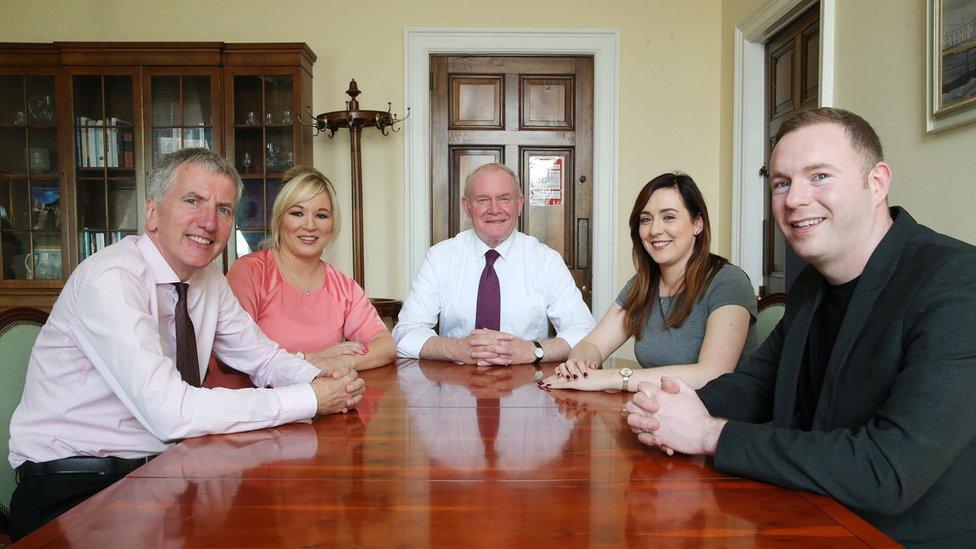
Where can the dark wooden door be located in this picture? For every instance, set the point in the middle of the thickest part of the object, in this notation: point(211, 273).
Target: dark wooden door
point(792, 86)
point(534, 114)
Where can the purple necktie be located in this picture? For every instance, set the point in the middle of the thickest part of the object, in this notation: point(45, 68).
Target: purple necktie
point(488, 313)
point(186, 339)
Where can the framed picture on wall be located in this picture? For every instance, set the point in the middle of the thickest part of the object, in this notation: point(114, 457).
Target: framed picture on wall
point(951, 63)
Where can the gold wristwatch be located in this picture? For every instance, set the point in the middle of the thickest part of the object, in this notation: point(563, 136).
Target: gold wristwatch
point(301, 355)
point(625, 373)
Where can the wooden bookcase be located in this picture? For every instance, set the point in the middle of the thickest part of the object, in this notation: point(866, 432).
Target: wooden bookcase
point(82, 123)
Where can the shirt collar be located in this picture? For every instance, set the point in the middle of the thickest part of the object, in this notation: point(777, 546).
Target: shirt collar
point(160, 270)
point(503, 249)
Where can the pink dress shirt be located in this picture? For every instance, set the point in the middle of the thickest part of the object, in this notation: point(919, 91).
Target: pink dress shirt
point(102, 380)
point(340, 311)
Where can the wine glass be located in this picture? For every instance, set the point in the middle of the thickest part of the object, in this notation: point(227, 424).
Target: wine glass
point(247, 162)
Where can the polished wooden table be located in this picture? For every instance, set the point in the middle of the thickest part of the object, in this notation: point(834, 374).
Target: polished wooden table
point(449, 456)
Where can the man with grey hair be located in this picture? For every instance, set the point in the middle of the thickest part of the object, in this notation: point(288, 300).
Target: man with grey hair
point(492, 289)
point(115, 375)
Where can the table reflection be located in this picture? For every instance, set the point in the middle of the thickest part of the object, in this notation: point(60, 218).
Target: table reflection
point(187, 497)
point(471, 418)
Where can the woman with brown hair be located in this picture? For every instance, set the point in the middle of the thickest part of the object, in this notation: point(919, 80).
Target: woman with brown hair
point(691, 313)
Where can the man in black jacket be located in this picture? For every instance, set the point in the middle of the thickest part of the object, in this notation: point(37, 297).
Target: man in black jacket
point(866, 390)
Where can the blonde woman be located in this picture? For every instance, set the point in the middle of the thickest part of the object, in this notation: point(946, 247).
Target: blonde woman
point(300, 301)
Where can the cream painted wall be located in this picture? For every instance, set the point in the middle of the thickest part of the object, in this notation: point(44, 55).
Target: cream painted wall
point(669, 82)
point(881, 76)
point(732, 12)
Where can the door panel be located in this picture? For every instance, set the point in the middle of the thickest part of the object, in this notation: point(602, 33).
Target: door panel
point(782, 78)
point(546, 103)
point(477, 102)
point(535, 114)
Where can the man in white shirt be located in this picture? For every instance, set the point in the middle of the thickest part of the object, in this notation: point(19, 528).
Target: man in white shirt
point(492, 289)
point(114, 377)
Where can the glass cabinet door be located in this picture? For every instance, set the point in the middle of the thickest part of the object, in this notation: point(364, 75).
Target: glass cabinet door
point(30, 195)
point(105, 145)
point(181, 113)
point(264, 148)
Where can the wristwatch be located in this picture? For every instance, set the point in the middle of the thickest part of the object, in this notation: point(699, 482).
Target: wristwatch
point(539, 352)
point(625, 373)
point(300, 355)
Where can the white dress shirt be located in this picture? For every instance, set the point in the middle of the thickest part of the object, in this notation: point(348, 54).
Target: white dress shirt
point(102, 379)
point(535, 287)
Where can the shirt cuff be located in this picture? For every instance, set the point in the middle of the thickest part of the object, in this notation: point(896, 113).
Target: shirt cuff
point(308, 373)
point(409, 344)
point(298, 402)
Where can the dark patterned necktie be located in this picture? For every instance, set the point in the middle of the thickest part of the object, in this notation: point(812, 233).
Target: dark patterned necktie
point(186, 339)
point(488, 311)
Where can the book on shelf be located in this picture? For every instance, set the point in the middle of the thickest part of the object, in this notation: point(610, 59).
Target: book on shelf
point(84, 244)
point(83, 141)
point(113, 144)
point(104, 143)
point(45, 207)
point(91, 242)
point(99, 143)
point(129, 148)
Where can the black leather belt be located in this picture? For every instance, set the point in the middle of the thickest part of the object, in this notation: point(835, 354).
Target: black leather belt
point(81, 465)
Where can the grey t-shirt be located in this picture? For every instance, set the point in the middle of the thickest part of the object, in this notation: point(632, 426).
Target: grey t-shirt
point(659, 346)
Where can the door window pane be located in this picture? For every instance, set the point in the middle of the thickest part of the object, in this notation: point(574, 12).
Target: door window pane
point(166, 100)
point(16, 260)
point(196, 101)
point(122, 205)
point(12, 104)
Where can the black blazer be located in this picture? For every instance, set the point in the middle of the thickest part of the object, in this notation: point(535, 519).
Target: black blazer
point(894, 433)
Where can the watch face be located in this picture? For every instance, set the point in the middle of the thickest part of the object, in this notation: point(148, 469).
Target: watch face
point(539, 352)
point(626, 372)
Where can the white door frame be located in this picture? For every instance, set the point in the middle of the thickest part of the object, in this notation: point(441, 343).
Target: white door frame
point(602, 44)
point(749, 117)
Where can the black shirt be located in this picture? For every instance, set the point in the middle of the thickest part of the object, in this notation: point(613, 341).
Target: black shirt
point(823, 334)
